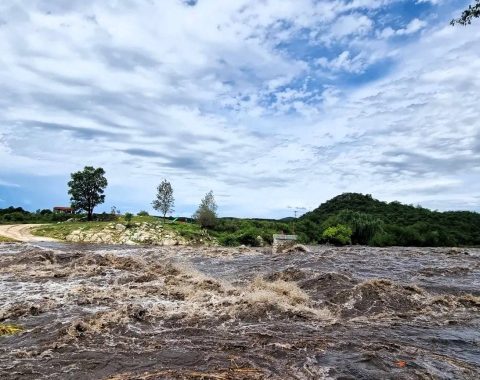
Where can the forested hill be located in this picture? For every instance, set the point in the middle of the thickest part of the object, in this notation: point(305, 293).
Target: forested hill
point(381, 223)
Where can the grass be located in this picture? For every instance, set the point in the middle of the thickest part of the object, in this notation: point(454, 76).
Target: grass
point(8, 329)
point(60, 231)
point(4, 239)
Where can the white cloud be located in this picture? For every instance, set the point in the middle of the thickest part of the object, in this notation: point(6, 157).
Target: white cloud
point(413, 26)
point(223, 96)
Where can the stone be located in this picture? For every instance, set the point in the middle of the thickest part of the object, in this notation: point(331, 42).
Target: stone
point(120, 227)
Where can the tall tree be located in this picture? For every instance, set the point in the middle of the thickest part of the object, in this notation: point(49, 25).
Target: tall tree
point(164, 200)
point(473, 11)
point(87, 188)
point(206, 214)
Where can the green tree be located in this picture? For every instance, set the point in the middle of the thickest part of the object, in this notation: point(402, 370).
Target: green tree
point(473, 11)
point(164, 200)
point(87, 188)
point(338, 235)
point(206, 214)
point(128, 218)
point(363, 226)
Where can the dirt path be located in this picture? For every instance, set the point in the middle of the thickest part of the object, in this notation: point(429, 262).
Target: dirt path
point(21, 232)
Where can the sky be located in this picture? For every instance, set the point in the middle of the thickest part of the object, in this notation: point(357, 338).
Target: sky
point(272, 104)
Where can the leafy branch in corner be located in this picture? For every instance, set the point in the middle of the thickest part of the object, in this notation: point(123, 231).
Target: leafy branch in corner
point(473, 11)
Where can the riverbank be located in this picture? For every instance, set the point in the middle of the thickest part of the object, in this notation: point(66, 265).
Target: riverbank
point(133, 233)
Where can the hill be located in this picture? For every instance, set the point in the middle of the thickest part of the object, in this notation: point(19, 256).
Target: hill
point(393, 223)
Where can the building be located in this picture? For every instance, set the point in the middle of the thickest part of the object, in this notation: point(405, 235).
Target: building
point(63, 210)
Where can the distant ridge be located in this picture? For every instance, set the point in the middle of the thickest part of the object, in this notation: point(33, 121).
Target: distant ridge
point(404, 224)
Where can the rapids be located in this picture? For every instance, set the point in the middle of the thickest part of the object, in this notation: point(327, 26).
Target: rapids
point(114, 312)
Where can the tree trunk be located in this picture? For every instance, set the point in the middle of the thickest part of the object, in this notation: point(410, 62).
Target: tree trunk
point(90, 215)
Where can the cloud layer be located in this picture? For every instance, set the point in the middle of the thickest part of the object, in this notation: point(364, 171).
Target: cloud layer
point(269, 103)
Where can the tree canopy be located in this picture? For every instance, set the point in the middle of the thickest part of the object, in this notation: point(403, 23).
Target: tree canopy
point(164, 200)
point(473, 11)
point(87, 188)
point(375, 222)
point(206, 214)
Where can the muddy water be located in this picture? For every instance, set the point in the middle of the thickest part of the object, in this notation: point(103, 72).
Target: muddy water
point(195, 313)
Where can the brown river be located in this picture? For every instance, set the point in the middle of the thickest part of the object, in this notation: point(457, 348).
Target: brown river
point(93, 312)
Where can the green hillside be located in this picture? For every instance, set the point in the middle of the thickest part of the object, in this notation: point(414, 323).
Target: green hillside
point(380, 223)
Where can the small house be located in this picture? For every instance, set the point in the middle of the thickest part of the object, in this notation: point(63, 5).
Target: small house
point(62, 210)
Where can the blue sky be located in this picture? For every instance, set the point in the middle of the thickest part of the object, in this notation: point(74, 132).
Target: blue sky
point(270, 104)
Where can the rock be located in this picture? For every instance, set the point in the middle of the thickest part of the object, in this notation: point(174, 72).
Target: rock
point(260, 242)
point(169, 241)
point(120, 227)
point(295, 248)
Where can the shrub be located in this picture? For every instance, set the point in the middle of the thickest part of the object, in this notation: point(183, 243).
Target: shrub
point(249, 237)
point(14, 217)
point(338, 235)
point(229, 241)
point(382, 239)
point(143, 213)
point(128, 217)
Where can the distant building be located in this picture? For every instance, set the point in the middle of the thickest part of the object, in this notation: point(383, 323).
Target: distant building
point(62, 210)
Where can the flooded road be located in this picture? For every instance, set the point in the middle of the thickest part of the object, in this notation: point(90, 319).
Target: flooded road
point(91, 312)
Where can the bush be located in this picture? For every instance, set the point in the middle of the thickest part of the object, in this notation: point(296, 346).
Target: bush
point(143, 213)
point(229, 241)
point(382, 239)
point(249, 237)
point(338, 235)
point(14, 217)
point(128, 217)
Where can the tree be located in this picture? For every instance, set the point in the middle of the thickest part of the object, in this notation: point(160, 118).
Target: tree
point(473, 11)
point(128, 218)
point(206, 214)
point(338, 235)
point(87, 188)
point(164, 201)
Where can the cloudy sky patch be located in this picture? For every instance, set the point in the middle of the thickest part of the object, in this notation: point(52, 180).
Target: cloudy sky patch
point(268, 103)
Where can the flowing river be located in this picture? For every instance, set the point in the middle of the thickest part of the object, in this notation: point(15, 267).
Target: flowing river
point(93, 312)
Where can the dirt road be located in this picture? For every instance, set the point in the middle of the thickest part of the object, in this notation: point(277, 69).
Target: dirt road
point(21, 232)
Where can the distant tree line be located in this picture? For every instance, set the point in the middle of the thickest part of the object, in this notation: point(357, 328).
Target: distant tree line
point(373, 222)
point(349, 218)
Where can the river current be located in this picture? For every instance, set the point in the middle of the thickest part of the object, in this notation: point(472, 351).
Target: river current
point(112, 312)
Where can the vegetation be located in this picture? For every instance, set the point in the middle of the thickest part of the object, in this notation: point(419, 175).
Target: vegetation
point(164, 200)
point(87, 188)
point(363, 227)
point(252, 232)
point(473, 11)
point(380, 223)
point(8, 329)
point(12, 215)
point(338, 235)
point(370, 222)
point(62, 230)
point(206, 214)
point(128, 218)
point(4, 239)
point(190, 231)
